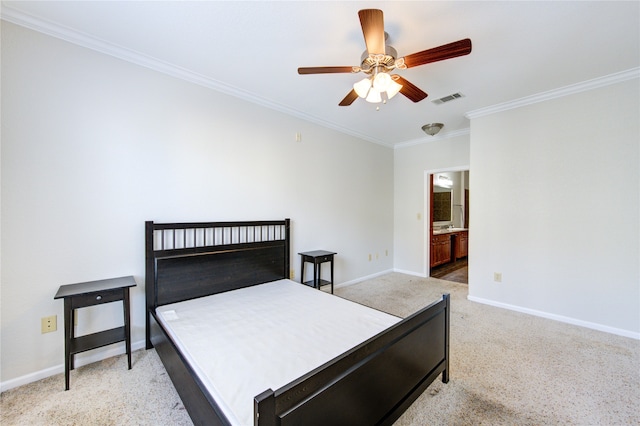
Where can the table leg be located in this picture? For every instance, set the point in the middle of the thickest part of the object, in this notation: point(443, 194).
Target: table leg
point(331, 263)
point(316, 278)
point(127, 324)
point(68, 335)
point(302, 270)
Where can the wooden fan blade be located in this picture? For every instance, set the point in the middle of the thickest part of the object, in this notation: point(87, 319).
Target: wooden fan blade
point(446, 51)
point(372, 23)
point(324, 70)
point(410, 90)
point(348, 100)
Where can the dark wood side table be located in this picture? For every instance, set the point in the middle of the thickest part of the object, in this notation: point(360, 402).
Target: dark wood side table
point(317, 257)
point(93, 293)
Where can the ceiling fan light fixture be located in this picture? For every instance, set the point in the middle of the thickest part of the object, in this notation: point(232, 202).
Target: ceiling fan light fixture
point(432, 128)
point(393, 89)
point(372, 89)
point(382, 81)
point(362, 87)
point(374, 96)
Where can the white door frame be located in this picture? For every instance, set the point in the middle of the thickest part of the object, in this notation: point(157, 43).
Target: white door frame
point(427, 213)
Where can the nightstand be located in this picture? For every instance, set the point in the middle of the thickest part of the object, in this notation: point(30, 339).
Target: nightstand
point(317, 257)
point(93, 293)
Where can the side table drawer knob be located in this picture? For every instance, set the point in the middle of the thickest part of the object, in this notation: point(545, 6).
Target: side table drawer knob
point(98, 297)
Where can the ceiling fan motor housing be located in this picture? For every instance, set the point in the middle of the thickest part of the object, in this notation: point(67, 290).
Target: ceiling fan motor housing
point(369, 62)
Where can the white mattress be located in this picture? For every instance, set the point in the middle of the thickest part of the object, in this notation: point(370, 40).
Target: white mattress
point(246, 341)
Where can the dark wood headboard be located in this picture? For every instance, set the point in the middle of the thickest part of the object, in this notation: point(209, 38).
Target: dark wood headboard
point(188, 260)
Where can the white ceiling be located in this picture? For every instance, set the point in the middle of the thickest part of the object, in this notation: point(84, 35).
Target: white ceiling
point(253, 49)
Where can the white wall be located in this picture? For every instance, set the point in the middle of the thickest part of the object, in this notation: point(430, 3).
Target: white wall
point(554, 208)
point(410, 165)
point(93, 146)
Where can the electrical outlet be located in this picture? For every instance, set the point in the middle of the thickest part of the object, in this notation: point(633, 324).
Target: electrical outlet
point(49, 324)
point(369, 257)
point(497, 277)
point(292, 274)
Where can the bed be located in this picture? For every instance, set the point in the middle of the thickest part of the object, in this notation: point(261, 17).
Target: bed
point(221, 267)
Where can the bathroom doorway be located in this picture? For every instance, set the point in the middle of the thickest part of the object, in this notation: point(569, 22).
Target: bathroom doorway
point(448, 224)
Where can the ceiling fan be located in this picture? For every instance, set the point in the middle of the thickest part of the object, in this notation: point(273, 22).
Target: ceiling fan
point(379, 59)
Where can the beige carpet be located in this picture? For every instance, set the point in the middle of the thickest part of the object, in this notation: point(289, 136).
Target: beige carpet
point(506, 369)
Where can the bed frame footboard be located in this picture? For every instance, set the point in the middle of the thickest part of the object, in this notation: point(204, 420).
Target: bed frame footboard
point(372, 384)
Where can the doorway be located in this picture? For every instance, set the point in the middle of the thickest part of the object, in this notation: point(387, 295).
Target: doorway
point(447, 224)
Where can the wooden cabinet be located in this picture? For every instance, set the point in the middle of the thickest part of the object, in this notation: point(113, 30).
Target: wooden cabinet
point(449, 247)
point(461, 244)
point(440, 249)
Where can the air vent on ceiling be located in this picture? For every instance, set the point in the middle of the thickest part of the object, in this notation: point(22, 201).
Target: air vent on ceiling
point(448, 98)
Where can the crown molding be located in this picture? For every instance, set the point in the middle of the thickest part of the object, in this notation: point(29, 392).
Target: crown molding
point(429, 139)
point(557, 93)
point(79, 38)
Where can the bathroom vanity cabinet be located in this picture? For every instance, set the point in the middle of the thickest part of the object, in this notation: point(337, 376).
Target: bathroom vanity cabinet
point(440, 249)
point(461, 244)
point(448, 246)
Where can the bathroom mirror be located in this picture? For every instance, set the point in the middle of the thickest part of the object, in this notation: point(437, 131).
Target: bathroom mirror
point(442, 205)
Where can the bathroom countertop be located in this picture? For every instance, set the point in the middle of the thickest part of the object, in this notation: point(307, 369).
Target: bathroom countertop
point(448, 231)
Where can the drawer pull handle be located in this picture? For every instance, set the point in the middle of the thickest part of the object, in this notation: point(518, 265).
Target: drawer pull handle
point(98, 297)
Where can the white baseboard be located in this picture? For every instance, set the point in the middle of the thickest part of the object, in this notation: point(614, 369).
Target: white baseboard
point(567, 320)
point(79, 361)
point(415, 274)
